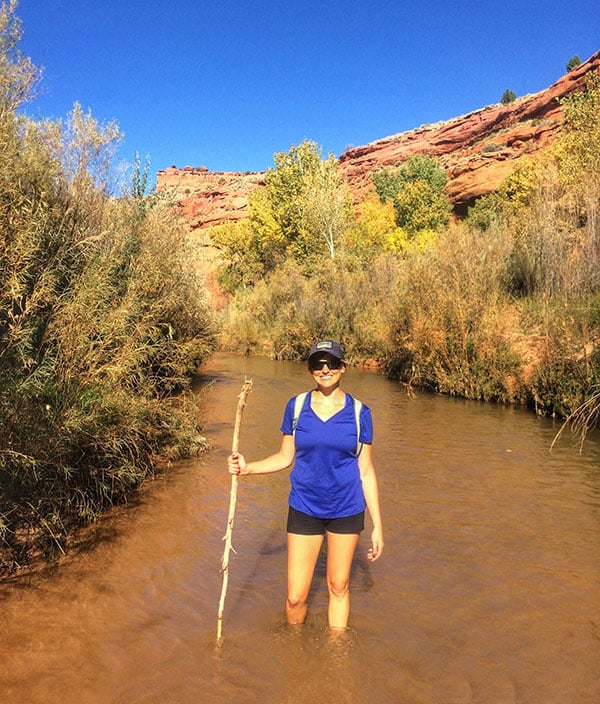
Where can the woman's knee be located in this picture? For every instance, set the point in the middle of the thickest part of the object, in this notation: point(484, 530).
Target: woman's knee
point(338, 587)
point(295, 601)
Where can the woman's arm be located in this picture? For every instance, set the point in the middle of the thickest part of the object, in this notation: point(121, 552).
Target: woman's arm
point(237, 464)
point(371, 491)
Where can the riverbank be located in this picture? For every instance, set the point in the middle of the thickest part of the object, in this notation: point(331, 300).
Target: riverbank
point(103, 322)
point(438, 320)
point(502, 305)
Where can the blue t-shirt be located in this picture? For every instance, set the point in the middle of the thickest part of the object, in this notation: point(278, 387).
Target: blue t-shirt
point(325, 477)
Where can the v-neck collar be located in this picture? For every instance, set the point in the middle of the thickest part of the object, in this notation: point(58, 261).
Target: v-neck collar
point(325, 420)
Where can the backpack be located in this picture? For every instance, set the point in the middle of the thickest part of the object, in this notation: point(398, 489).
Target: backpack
point(299, 402)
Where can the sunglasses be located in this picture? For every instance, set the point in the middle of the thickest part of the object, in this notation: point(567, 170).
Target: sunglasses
point(317, 364)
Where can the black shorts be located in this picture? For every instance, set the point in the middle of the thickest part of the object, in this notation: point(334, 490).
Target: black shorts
point(303, 524)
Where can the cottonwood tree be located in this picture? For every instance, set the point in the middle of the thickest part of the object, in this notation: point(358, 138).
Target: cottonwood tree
point(417, 192)
point(303, 210)
point(309, 199)
point(286, 185)
point(326, 206)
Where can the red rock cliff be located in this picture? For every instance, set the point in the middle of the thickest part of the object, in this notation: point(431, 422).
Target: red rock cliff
point(209, 197)
point(477, 150)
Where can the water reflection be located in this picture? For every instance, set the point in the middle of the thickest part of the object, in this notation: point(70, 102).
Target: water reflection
point(489, 589)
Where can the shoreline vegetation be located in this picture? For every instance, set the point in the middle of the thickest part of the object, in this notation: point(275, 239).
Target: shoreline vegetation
point(104, 319)
point(103, 323)
point(502, 306)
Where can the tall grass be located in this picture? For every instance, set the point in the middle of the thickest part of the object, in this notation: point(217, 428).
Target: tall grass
point(102, 325)
point(284, 314)
point(452, 320)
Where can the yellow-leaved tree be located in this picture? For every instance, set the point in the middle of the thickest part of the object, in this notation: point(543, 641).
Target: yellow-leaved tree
point(301, 213)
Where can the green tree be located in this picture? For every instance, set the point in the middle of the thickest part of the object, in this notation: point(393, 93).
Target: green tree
point(309, 199)
point(573, 62)
point(388, 182)
point(417, 191)
point(509, 96)
point(420, 207)
point(243, 257)
point(304, 208)
point(286, 186)
point(268, 236)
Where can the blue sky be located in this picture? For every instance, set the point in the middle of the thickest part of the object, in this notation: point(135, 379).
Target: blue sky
point(226, 84)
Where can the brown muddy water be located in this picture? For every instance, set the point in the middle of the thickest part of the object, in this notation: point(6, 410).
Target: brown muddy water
point(488, 590)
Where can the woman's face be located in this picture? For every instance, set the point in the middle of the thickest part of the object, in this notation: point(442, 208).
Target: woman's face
point(326, 369)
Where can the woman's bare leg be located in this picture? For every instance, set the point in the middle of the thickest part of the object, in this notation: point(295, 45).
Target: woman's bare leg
point(303, 551)
point(340, 552)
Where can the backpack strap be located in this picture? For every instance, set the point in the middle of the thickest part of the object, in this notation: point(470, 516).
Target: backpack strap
point(357, 409)
point(298, 403)
point(357, 405)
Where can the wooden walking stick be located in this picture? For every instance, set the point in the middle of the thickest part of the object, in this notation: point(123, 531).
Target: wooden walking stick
point(232, 501)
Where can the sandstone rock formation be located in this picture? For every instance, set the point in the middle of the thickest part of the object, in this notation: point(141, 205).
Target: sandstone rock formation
point(206, 197)
point(477, 150)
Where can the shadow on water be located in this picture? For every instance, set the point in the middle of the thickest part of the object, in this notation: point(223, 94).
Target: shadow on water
point(488, 590)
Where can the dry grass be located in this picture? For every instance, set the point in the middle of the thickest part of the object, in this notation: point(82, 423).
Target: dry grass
point(101, 321)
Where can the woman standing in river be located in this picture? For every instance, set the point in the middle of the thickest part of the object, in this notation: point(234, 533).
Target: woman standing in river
point(327, 435)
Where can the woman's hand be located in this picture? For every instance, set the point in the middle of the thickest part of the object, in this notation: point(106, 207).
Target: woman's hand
point(374, 552)
point(236, 463)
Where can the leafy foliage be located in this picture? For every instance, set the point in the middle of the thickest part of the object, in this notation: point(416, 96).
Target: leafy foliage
point(101, 319)
point(245, 259)
point(417, 192)
point(303, 211)
point(374, 228)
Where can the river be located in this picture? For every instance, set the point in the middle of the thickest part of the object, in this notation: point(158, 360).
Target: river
point(488, 590)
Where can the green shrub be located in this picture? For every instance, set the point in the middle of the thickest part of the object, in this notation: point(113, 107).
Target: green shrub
point(417, 191)
point(101, 320)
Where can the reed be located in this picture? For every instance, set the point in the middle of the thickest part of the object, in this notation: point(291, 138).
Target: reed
point(102, 326)
point(282, 315)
